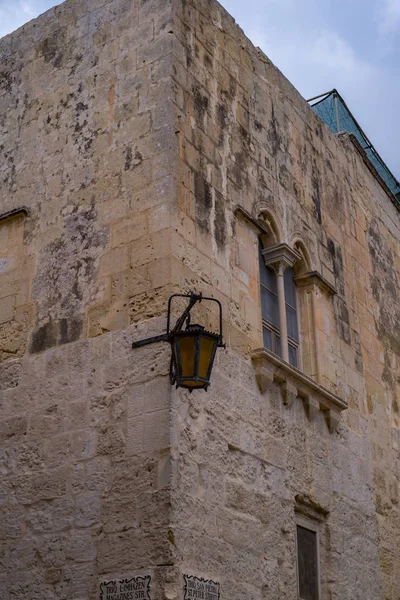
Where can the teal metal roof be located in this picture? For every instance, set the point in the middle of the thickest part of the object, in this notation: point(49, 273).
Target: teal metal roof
point(332, 109)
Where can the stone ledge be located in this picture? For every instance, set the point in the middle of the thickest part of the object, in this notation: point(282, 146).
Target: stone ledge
point(269, 368)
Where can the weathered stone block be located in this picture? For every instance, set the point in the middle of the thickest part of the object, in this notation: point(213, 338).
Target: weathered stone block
point(87, 510)
point(9, 374)
point(135, 435)
point(156, 431)
point(7, 308)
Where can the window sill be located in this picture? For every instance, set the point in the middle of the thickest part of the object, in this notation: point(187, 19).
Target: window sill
point(294, 384)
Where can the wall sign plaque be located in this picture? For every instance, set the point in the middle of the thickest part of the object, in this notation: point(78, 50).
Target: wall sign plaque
point(197, 587)
point(130, 588)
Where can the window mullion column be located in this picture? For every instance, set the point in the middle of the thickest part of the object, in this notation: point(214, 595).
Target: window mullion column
point(280, 271)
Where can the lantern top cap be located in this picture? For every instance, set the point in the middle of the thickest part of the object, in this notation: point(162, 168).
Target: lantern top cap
point(195, 329)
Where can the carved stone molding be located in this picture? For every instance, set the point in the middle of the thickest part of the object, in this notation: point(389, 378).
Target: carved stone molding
point(309, 508)
point(280, 254)
point(294, 384)
point(313, 278)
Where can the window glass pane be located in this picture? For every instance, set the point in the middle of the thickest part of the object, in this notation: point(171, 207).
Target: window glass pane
point(293, 356)
point(278, 350)
point(307, 558)
point(269, 307)
point(267, 275)
point(267, 336)
point(291, 321)
point(290, 288)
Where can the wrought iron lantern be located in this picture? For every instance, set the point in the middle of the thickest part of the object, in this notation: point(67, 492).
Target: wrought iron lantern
point(193, 348)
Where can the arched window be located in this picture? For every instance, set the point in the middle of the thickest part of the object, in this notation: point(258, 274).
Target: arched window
point(278, 301)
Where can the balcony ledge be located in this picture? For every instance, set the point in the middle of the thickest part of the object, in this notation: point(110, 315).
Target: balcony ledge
point(270, 368)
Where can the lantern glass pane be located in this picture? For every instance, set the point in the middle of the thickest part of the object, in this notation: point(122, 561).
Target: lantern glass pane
point(206, 354)
point(186, 346)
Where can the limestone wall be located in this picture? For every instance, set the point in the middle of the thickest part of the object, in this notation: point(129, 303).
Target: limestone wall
point(88, 149)
point(248, 139)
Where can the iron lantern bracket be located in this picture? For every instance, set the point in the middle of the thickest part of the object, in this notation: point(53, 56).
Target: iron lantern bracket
point(185, 317)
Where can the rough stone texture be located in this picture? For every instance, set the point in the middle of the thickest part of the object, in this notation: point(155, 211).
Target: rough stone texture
point(132, 129)
point(84, 434)
point(248, 139)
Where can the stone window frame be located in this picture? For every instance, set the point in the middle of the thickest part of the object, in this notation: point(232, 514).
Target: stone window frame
point(269, 367)
point(281, 256)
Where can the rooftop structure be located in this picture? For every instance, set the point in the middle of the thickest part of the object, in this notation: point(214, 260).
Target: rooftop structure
point(333, 110)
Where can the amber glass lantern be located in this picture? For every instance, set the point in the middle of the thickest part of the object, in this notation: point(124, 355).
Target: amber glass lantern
point(193, 348)
point(193, 353)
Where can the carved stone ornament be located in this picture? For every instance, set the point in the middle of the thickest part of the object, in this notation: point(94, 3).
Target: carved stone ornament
point(294, 384)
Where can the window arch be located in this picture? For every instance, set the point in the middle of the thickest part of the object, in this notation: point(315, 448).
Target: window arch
point(271, 226)
point(304, 265)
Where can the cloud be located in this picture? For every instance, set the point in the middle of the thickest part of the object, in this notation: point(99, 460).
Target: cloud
point(28, 10)
point(331, 51)
point(389, 16)
point(324, 59)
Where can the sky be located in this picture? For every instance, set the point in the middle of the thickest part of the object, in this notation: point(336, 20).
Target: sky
point(350, 45)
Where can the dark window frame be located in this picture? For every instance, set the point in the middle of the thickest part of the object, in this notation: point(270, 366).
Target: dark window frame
point(313, 527)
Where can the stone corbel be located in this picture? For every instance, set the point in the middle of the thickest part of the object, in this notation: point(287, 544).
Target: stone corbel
point(311, 406)
point(264, 374)
point(332, 417)
point(289, 393)
point(270, 368)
